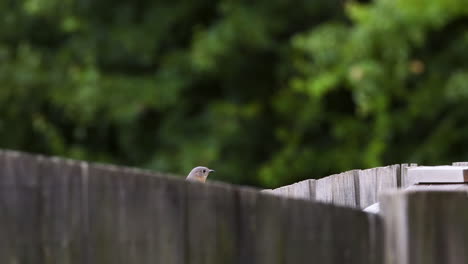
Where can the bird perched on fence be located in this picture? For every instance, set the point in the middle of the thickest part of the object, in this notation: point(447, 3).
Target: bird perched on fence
point(199, 173)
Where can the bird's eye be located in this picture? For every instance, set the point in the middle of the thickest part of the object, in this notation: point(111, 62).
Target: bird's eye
point(204, 171)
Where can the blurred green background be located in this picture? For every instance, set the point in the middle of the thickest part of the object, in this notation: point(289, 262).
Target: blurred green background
point(266, 92)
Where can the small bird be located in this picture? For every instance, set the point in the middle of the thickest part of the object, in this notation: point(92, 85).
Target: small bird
point(199, 173)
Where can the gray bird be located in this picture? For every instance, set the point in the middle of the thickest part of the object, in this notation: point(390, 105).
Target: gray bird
point(199, 173)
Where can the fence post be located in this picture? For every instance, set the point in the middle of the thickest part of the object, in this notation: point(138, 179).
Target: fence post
point(425, 227)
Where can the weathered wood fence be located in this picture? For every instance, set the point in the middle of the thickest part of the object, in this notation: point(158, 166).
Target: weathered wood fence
point(62, 211)
point(356, 188)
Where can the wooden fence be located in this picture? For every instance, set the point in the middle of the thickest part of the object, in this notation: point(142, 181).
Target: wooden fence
point(356, 188)
point(425, 227)
point(62, 211)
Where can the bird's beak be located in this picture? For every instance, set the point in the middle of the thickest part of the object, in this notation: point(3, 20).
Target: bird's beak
point(212, 171)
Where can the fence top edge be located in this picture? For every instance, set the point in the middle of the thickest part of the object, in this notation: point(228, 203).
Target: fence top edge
point(407, 193)
point(134, 171)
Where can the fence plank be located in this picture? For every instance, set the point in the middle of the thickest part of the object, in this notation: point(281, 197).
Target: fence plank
point(324, 190)
point(62, 237)
point(387, 177)
point(426, 227)
point(344, 189)
point(248, 232)
point(270, 229)
point(122, 216)
point(373, 181)
point(20, 225)
point(302, 190)
point(367, 187)
point(392, 207)
point(317, 232)
point(135, 217)
point(170, 224)
point(282, 191)
point(211, 227)
point(108, 229)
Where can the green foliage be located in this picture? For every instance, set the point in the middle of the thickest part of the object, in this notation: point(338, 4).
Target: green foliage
point(266, 93)
point(391, 85)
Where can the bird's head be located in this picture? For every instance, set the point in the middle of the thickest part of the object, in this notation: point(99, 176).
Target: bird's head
point(199, 174)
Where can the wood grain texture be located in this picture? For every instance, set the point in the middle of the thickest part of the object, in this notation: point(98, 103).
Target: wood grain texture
point(344, 189)
point(426, 227)
point(62, 216)
point(170, 223)
point(282, 191)
point(326, 234)
point(373, 181)
point(270, 229)
point(302, 190)
point(393, 209)
point(211, 215)
point(20, 209)
point(367, 187)
point(249, 234)
point(324, 189)
point(61, 211)
point(339, 189)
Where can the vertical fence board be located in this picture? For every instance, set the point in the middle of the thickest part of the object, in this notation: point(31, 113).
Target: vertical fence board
point(387, 177)
point(248, 232)
point(373, 181)
point(103, 217)
point(284, 191)
point(439, 217)
point(139, 216)
point(211, 225)
point(301, 190)
point(270, 230)
point(393, 208)
point(321, 233)
point(115, 205)
point(324, 190)
point(20, 223)
point(61, 192)
point(171, 226)
point(344, 189)
point(366, 247)
point(140, 211)
point(377, 236)
point(9, 243)
point(426, 227)
point(301, 234)
point(367, 183)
